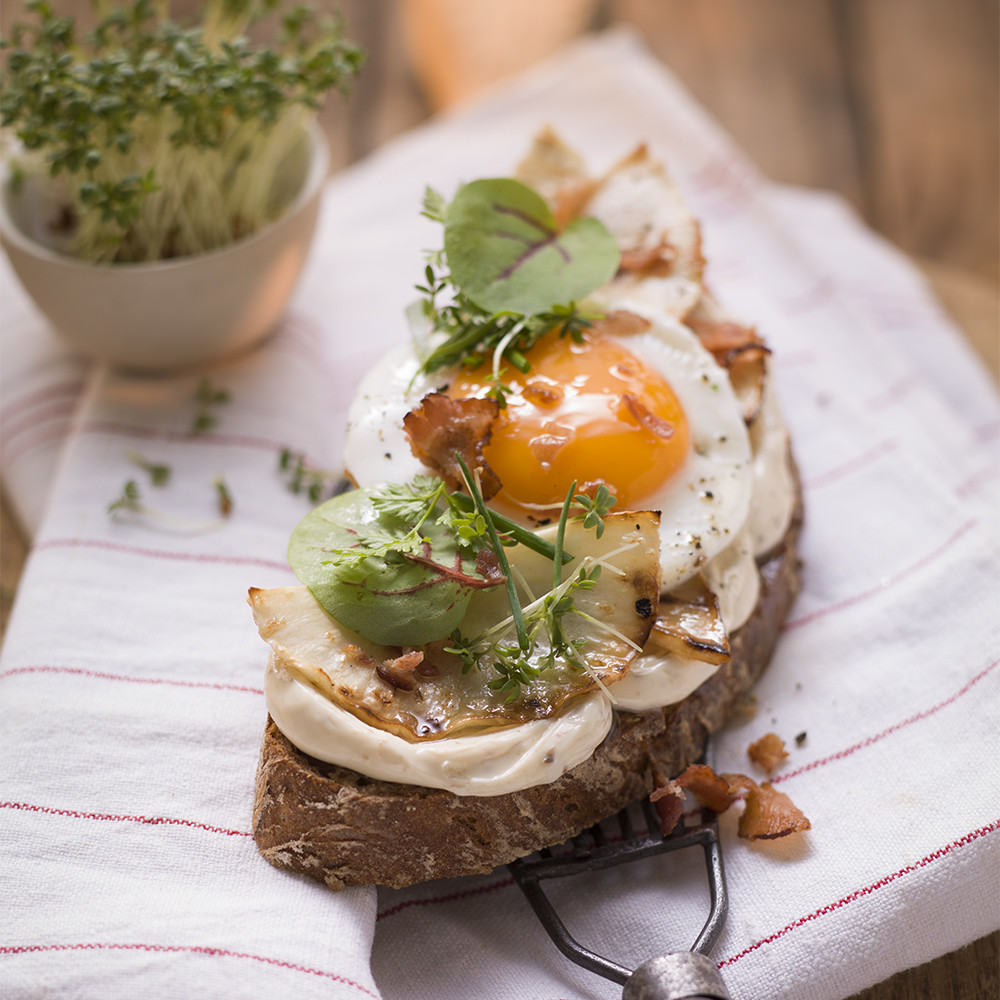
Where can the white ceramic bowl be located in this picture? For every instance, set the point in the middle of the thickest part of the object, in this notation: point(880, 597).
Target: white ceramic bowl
point(176, 314)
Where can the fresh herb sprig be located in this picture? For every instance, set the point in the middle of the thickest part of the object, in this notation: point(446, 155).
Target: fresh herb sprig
point(172, 138)
point(541, 623)
point(474, 336)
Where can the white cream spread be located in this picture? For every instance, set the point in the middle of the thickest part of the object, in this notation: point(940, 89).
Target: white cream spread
point(492, 763)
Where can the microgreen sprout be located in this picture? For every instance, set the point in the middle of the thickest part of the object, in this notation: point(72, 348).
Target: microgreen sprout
point(159, 473)
point(130, 501)
point(224, 497)
point(208, 398)
point(169, 138)
point(301, 476)
point(597, 508)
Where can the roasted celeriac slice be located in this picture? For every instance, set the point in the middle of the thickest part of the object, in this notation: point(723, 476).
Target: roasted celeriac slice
point(424, 693)
point(689, 625)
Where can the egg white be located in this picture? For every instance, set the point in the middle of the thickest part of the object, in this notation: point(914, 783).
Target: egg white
point(703, 506)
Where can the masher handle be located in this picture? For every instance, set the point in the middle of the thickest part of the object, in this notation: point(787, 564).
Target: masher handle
point(682, 975)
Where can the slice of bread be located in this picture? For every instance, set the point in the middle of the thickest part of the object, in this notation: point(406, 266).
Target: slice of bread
point(343, 828)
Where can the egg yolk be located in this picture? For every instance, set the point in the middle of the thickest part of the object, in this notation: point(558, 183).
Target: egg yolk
point(589, 413)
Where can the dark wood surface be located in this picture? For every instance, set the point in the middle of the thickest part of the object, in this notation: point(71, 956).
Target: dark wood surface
point(891, 103)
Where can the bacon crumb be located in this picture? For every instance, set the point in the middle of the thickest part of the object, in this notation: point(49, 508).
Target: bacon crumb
point(646, 418)
point(658, 260)
point(669, 802)
point(408, 662)
point(398, 671)
point(620, 323)
point(441, 426)
point(712, 791)
point(768, 752)
point(770, 814)
point(356, 655)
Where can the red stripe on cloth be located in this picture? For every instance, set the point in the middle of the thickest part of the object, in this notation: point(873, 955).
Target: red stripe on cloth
point(188, 950)
point(61, 411)
point(868, 741)
point(42, 394)
point(163, 434)
point(79, 671)
point(884, 585)
point(47, 433)
point(867, 890)
point(124, 818)
point(135, 550)
point(449, 898)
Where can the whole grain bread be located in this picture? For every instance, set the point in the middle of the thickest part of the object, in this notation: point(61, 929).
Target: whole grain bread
point(343, 828)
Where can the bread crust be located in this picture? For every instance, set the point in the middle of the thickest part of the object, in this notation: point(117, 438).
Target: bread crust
point(344, 828)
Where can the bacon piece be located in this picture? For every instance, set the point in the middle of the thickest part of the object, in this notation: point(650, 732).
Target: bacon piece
point(768, 752)
point(739, 350)
point(658, 260)
point(569, 198)
point(722, 336)
point(620, 323)
point(356, 655)
point(398, 671)
point(712, 791)
point(770, 814)
point(407, 662)
point(441, 426)
point(646, 419)
point(669, 802)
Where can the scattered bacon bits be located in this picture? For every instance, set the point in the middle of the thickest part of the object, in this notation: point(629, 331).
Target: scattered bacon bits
point(770, 814)
point(441, 426)
point(767, 815)
point(768, 752)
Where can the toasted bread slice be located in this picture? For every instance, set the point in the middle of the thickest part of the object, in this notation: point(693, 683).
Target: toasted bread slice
point(344, 829)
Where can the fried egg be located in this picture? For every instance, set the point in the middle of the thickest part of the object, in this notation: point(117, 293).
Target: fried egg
point(649, 414)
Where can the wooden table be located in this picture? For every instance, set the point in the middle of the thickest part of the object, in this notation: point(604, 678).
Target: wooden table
point(891, 103)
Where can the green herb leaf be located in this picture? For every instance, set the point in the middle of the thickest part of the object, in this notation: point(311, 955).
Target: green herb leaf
point(386, 563)
point(507, 254)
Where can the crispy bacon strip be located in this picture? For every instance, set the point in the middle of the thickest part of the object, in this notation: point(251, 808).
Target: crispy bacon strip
point(767, 752)
point(441, 426)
